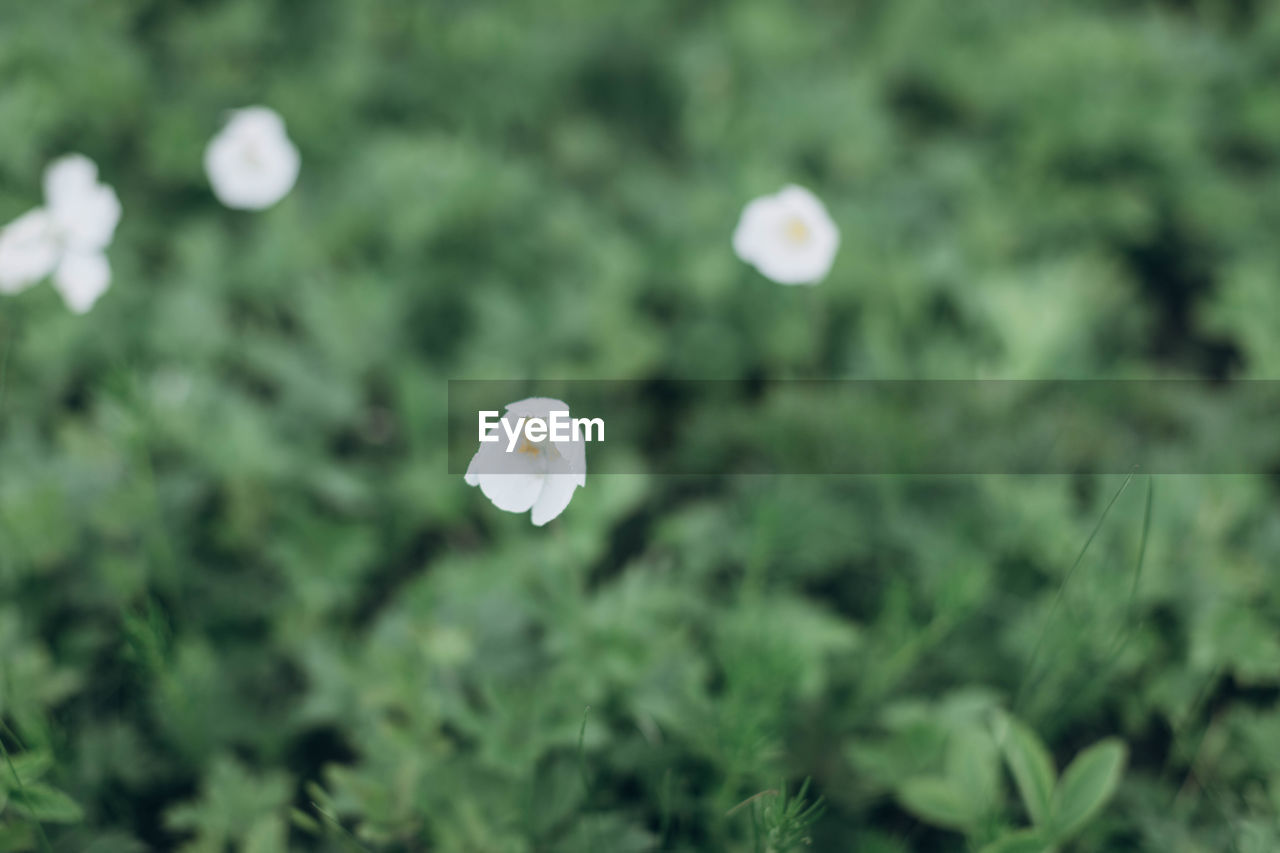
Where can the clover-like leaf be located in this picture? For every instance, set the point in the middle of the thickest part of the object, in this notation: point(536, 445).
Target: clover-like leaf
point(1031, 766)
point(973, 768)
point(1086, 785)
point(939, 801)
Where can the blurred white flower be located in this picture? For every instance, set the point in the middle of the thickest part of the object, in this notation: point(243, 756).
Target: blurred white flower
point(67, 237)
point(251, 163)
point(788, 237)
point(537, 475)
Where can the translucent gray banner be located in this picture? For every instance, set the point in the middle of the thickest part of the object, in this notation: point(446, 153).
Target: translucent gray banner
point(714, 427)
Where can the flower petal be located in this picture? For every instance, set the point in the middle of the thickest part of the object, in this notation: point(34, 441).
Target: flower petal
point(555, 496)
point(512, 492)
point(88, 221)
point(81, 278)
point(261, 121)
point(512, 481)
point(68, 178)
point(755, 226)
point(487, 460)
point(28, 251)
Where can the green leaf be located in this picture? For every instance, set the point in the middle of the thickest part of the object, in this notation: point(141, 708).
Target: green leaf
point(1086, 785)
point(1031, 766)
point(940, 802)
point(45, 804)
point(29, 767)
point(1019, 841)
point(973, 768)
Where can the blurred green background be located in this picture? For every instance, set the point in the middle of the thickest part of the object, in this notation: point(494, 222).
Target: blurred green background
point(242, 605)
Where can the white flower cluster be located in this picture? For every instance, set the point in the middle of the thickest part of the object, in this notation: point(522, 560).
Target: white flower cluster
point(251, 165)
point(789, 237)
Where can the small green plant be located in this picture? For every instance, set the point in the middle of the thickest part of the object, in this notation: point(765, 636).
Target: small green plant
point(968, 795)
point(780, 822)
point(1058, 807)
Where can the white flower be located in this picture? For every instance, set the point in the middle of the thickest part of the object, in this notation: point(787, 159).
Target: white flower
point(788, 237)
point(67, 237)
point(251, 163)
point(539, 476)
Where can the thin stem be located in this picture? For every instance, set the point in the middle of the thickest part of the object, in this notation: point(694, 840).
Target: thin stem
point(1057, 598)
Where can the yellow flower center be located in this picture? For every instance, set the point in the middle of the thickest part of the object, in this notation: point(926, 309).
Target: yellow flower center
point(796, 231)
point(527, 446)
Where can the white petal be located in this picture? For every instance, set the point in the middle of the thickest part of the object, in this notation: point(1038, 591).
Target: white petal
point(555, 496)
point(28, 251)
point(755, 225)
point(512, 492)
point(263, 121)
point(575, 455)
point(68, 178)
point(251, 164)
point(512, 481)
point(573, 459)
point(796, 199)
point(87, 220)
point(81, 279)
point(487, 460)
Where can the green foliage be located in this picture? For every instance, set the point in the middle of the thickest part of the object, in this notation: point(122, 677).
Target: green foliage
point(242, 605)
point(968, 796)
point(780, 823)
point(235, 808)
